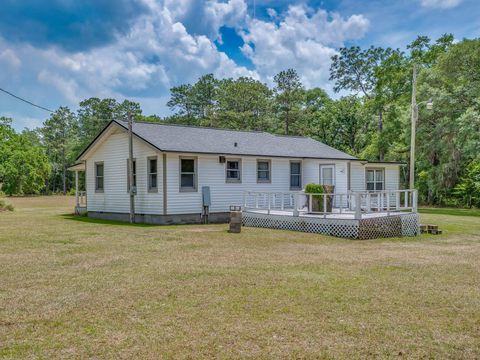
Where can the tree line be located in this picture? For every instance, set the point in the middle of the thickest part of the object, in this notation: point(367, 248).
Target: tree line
point(369, 117)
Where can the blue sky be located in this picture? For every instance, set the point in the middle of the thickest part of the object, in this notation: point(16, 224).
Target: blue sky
point(59, 52)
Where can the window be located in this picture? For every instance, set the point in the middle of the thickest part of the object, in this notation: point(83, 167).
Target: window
point(99, 177)
point(327, 174)
point(152, 174)
point(263, 171)
point(134, 174)
point(234, 170)
point(188, 174)
point(295, 175)
point(375, 179)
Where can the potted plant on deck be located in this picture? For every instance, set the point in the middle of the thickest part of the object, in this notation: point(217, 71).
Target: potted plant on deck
point(317, 199)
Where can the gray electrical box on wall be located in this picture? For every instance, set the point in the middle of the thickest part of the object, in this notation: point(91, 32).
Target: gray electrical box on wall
point(206, 196)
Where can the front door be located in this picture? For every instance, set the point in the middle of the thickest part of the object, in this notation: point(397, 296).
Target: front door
point(327, 174)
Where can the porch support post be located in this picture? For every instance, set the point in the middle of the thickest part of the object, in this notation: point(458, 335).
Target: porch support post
point(77, 204)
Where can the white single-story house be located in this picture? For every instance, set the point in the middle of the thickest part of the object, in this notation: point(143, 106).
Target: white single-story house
point(173, 164)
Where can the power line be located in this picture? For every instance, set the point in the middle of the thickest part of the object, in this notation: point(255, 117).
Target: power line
point(26, 101)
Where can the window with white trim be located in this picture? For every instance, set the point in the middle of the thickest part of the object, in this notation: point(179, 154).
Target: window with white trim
point(375, 179)
point(233, 170)
point(295, 175)
point(188, 174)
point(263, 171)
point(152, 170)
point(99, 177)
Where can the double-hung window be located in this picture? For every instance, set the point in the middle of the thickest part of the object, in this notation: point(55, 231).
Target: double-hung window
point(375, 179)
point(327, 174)
point(295, 175)
point(188, 174)
point(99, 177)
point(152, 170)
point(134, 174)
point(264, 171)
point(233, 171)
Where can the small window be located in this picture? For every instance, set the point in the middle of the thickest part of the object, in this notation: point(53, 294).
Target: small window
point(188, 174)
point(263, 171)
point(375, 179)
point(327, 174)
point(152, 174)
point(295, 175)
point(234, 171)
point(134, 174)
point(99, 177)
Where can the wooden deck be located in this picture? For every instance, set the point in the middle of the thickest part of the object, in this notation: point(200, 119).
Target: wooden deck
point(356, 216)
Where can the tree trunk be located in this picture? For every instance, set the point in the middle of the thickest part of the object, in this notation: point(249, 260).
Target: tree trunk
point(64, 179)
point(381, 153)
point(64, 175)
point(286, 123)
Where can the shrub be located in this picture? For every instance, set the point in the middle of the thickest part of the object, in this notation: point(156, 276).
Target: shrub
point(317, 200)
point(314, 189)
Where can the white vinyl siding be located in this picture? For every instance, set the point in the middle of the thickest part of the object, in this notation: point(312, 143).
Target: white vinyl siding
point(223, 194)
point(113, 152)
point(359, 176)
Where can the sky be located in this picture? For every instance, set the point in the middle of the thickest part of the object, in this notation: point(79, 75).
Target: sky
point(59, 52)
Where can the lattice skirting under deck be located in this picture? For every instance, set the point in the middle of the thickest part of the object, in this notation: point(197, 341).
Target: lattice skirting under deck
point(378, 227)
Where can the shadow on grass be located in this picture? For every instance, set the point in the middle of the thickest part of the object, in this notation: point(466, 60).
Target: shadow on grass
point(86, 219)
point(450, 211)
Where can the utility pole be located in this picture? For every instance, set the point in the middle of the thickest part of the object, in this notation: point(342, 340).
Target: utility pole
point(132, 189)
point(414, 128)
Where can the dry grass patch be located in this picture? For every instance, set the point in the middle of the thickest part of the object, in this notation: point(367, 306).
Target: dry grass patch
point(77, 288)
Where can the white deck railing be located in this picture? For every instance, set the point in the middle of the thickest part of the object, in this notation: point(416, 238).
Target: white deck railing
point(356, 203)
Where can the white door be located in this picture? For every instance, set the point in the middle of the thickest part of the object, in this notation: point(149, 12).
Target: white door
point(327, 174)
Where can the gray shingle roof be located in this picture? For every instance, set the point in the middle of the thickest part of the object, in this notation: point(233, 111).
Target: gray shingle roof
point(192, 139)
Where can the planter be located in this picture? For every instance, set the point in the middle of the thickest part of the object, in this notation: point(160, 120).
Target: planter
point(329, 189)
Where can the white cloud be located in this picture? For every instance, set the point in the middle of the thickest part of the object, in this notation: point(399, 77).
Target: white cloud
point(9, 57)
point(231, 13)
point(442, 4)
point(156, 54)
point(304, 39)
point(160, 50)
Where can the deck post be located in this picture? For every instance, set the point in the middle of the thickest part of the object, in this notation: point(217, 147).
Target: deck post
point(269, 197)
point(414, 200)
point(295, 204)
point(77, 204)
point(388, 203)
point(358, 206)
point(324, 206)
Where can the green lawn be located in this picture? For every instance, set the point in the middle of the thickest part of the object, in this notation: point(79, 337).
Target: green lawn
point(75, 288)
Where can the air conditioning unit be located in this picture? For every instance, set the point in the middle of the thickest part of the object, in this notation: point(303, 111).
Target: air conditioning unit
point(221, 159)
